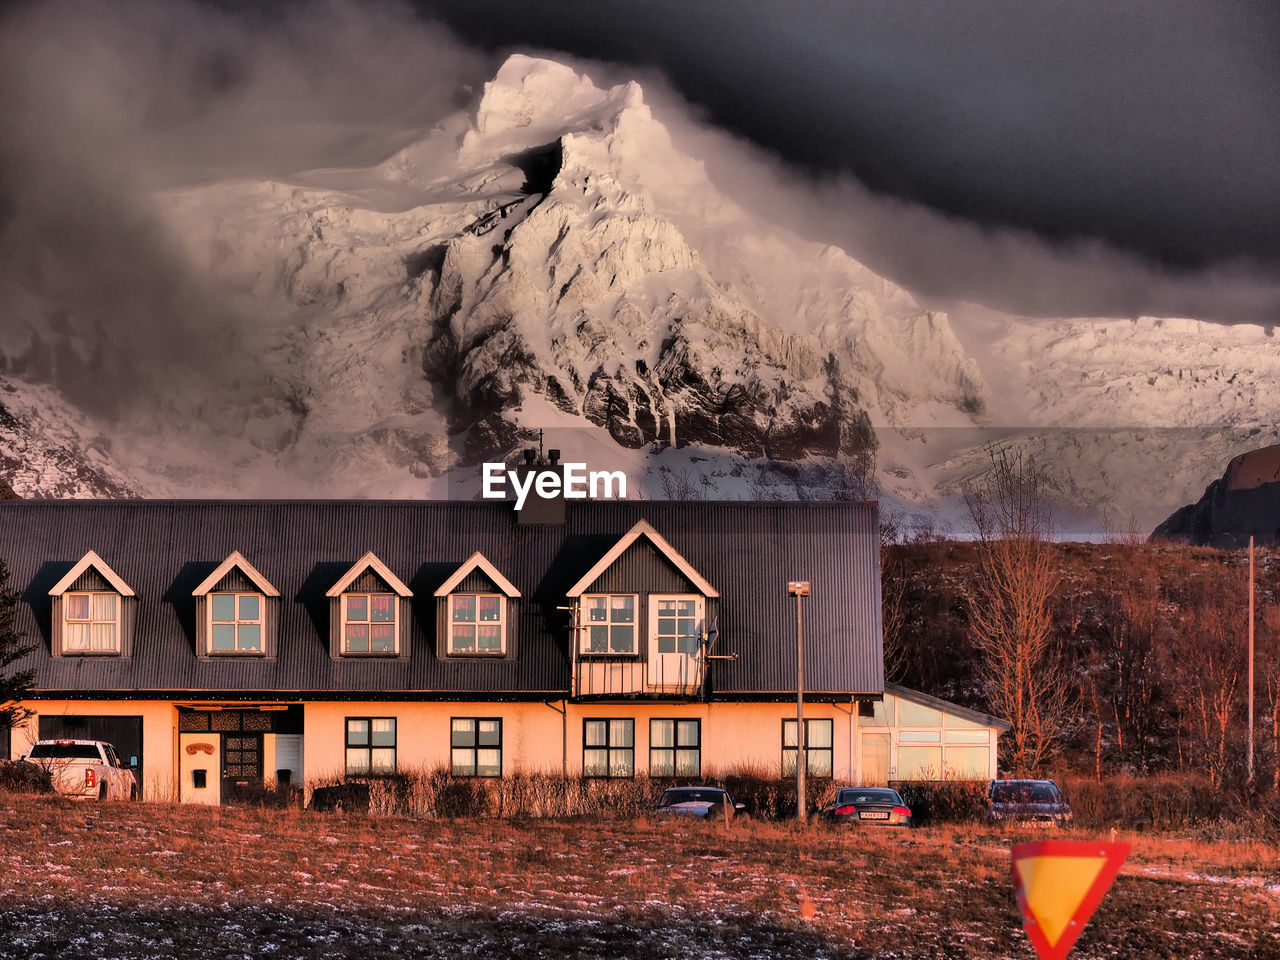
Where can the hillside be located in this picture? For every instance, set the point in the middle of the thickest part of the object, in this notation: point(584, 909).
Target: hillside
point(1154, 636)
point(579, 256)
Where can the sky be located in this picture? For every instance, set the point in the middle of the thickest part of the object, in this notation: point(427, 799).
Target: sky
point(1153, 126)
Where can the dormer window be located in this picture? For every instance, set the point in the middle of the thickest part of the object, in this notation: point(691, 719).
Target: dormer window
point(368, 623)
point(474, 607)
point(91, 623)
point(476, 623)
point(92, 610)
point(236, 622)
point(609, 624)
point(369, 610)
point(235, 606)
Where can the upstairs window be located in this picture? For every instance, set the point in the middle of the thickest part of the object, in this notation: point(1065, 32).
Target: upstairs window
point(677, 624)
point(609, 624)
point(91, 623)
point(477, 623)
point(235, 622)
point(368, 623)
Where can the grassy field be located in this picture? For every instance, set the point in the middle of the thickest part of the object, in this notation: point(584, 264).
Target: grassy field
point(154, 880)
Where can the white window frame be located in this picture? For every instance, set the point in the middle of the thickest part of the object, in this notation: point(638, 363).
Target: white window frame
point(501, 621)
point(700, 616)
point(90, 621)
point(585, 625)
point(237, 622)
point(343, 622)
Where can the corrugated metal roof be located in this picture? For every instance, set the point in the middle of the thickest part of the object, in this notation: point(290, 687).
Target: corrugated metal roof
point(164, 549)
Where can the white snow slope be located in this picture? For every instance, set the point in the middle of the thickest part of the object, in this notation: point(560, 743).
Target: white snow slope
point(553, 260)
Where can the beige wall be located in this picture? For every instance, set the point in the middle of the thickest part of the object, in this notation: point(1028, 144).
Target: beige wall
point(542, 737)
point(536, 738)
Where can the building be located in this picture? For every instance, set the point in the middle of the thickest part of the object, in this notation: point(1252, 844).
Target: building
point(224, 646)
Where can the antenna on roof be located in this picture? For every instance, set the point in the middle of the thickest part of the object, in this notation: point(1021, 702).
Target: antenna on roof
point(540, 445)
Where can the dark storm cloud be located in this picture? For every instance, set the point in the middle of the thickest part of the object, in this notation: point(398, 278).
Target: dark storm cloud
point(103, 104)
point(1154, 126)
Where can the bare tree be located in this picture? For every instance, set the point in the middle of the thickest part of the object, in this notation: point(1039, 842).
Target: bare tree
point(893, 605)
point(1208, 664)
point(1269, 675)
point(1010, 605)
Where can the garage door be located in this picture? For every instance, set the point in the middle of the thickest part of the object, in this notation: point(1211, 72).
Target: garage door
point(123, 733)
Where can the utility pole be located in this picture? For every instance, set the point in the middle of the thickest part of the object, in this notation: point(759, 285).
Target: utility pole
point(800, 589)
point(1251, 592)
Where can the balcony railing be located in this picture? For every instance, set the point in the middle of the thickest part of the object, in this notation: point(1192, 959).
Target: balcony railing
point(608, 677)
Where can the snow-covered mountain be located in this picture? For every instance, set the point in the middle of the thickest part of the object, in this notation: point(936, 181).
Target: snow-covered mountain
point(554, 259)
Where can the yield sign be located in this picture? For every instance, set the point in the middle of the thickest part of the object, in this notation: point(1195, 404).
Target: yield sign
point(1060, 883)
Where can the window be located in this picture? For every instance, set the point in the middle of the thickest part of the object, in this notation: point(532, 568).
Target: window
point(368, 623)
point(609, 624)
point(608, 748)
point(371, 745)
point(677, 624)
point(818, 736)
point(477, 623)
point(91, 623)
point(675, 748)
point(476, 747)
point(236, 622)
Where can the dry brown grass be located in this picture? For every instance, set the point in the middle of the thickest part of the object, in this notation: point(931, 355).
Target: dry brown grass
point(153, 880)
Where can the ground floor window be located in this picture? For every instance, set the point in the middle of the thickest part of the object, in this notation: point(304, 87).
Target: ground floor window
point(818, 737)
point(675, 748)
point(609, 748)
point(476, 747)
point(371, 745)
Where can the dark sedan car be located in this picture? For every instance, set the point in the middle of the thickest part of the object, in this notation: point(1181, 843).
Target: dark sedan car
point(874, 805)
point(705, 803)
point(1033, 803)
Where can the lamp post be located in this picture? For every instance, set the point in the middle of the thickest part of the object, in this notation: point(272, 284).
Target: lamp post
point(799, 589)
point(1250, 761)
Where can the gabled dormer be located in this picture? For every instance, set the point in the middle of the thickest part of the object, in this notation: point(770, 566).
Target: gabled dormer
point(93, 610)
point(236, 611)
point(475, 610)
point(642, 615)
point(369, 612)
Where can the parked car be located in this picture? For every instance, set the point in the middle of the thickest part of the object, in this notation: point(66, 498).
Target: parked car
point(84, 769)
point(874, 805)
point(706, 803)
point(1036, 803)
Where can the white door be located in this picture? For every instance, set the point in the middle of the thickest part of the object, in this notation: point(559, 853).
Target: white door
point(675, 641)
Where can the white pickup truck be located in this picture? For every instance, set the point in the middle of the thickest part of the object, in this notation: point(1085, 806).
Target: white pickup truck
point(84, 769)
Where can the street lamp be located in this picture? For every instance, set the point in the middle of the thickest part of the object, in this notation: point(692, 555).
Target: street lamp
point(799, 589)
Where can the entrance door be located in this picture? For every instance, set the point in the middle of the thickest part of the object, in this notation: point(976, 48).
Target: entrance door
point(875, 759)
point(241, 765)
point(675, 638)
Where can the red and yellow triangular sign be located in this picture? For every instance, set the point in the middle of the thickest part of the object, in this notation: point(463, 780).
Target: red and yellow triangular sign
point(1060, 883)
